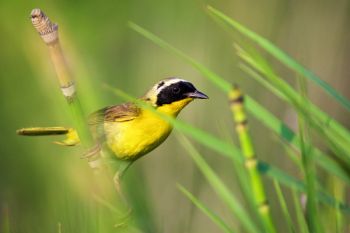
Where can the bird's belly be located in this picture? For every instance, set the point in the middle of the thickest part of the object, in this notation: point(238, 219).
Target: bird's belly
point(132, 139)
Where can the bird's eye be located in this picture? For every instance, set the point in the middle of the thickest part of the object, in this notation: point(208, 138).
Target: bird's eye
point(176, 90)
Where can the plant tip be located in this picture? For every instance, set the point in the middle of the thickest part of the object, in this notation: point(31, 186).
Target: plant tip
point(36, 13)
point(19, 131)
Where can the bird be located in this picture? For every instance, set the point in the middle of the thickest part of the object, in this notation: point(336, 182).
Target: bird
point(128, 130)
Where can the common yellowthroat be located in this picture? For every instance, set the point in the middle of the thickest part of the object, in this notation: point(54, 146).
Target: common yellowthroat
point(128, 130)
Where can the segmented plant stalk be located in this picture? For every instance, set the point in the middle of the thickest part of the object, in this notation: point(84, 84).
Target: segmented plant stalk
point(237, 107)
point(49, 33)
point(103, 183)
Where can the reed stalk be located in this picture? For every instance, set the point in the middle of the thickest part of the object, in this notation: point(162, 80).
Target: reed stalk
point(251, 163)
point(103, 184)
point(48, 31)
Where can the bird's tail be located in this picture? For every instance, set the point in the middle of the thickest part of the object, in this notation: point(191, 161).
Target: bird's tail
point(71, 139)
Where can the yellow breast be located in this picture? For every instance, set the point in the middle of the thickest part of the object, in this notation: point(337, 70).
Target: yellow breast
point(134, 138)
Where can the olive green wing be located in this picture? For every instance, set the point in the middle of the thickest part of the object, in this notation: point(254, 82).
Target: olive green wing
point(116, 113)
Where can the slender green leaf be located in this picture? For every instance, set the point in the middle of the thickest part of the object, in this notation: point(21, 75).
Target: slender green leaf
point(221, 83)
point(299, 213)
point(255, 109)
point(252, 106)
point(220, 188)
point(323, 160)
point(280, 55)
point(286, 92)
point(284, 207)
point(337, 136)
point(309, 171)
point(213, 216)
point(296, 185)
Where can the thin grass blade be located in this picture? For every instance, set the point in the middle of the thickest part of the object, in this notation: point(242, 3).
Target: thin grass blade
point(218, 81)
point(280, 55)
point(284, 207)
point(220, 188)
point(201, 206)
point(308, 170)
point(323, 160)
point(303, 228)
point(335, 134)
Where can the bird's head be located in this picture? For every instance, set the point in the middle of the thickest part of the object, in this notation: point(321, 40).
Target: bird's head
point(172, 95)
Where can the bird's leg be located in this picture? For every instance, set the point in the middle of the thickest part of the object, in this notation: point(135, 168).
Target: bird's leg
point(123, 166)
point(116, 181)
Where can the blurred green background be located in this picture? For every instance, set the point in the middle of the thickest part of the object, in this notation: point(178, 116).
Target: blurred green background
point(42, 185)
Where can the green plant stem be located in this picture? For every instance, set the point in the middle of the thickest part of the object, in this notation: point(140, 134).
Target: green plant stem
point(49, 33)
point(251, 163)
point(309, 173)
point(308, 169)
point(103, 178)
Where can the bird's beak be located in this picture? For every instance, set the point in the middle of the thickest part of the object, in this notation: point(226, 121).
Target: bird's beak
point(197, 95)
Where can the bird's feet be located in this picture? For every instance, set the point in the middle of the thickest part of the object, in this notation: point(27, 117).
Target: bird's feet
point(117, 184)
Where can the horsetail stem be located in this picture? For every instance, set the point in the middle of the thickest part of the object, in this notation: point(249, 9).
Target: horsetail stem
point(103, 183)
point(48, 31)
point(236, 99)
